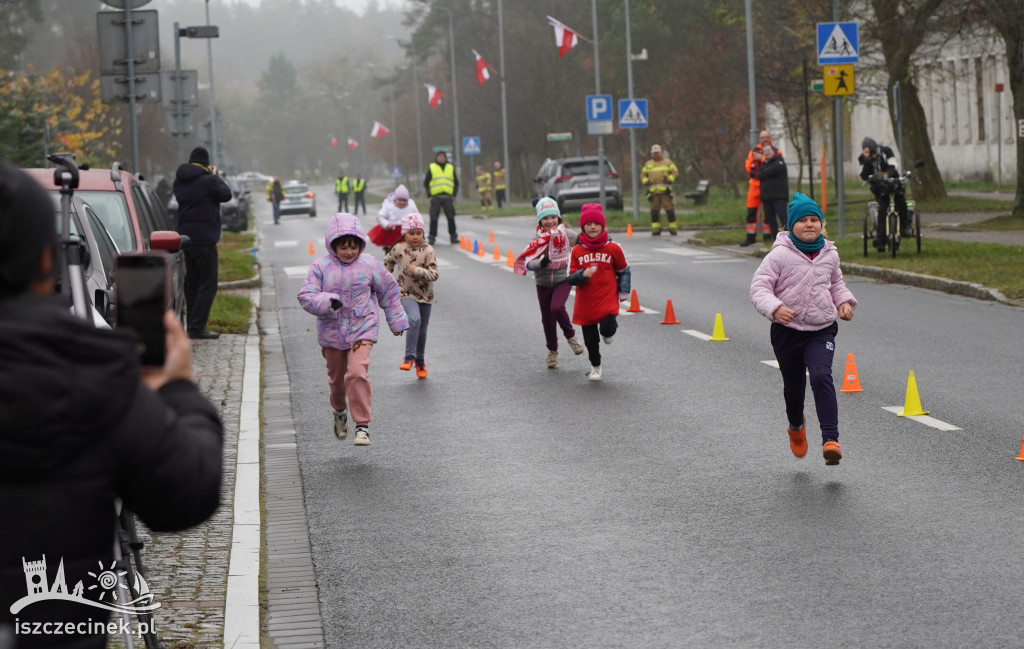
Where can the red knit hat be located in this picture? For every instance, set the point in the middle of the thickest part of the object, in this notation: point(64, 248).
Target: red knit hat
point(591, 213)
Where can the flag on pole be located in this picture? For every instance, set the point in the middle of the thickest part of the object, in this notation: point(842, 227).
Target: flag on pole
point(433, 95)
point(482, 73)
point(352, 144)
point(565, 38)
point(379, 130)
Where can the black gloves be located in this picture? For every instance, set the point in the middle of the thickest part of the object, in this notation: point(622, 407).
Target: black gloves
point(544, 261)
point(335, 304)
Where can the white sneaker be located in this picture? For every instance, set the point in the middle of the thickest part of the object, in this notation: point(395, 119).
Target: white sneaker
point(341, 424)
point(595, 373)
point(362, 437)
point(607, 339)
point(552, 359)
point(574, 344)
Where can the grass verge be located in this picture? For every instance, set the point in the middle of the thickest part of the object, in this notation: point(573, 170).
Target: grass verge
point(989, 264)
point(229, 314)
point(234, 253)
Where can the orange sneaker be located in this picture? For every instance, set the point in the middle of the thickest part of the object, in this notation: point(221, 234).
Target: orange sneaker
point(830, 451)
point(421, 371)
point(798, 440)
point(406, 365)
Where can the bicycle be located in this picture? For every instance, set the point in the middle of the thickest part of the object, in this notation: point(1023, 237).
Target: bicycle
point(892, 186)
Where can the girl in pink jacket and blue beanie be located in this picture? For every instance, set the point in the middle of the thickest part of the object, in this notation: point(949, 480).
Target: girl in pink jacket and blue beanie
point(343, 290)
point(799, 287)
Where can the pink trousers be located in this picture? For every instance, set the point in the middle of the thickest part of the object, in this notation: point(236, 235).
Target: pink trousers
point(348, 373)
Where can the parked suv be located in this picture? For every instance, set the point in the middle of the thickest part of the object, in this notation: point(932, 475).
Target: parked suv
point(576, 181)
point(131, 213)
point(98, 254)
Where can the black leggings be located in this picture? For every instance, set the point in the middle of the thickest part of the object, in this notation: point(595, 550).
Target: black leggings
point(592, 337)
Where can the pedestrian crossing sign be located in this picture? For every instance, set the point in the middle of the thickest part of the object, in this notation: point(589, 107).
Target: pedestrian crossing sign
point(838, 43)
point(471, 146)
point(632, 113)
point(838, 80)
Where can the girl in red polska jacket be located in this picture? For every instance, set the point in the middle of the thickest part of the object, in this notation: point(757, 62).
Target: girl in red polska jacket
point(598, 270)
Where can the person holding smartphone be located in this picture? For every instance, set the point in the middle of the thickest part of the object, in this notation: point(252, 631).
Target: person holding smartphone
point(81, 424)
point(200, 191)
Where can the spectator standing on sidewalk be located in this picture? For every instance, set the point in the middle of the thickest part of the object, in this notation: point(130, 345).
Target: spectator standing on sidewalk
point(341, 188)
point(442, 185)
point(275, 194)
point(200, 191)
point(81, 424)
point(751, 166)
point(774, 179)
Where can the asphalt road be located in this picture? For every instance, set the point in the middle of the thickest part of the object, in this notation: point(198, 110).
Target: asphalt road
point(503, 504)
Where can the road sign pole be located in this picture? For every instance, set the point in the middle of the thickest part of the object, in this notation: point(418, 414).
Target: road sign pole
point(597, 86)
point(632, 131)
point(130, 59)
point(179, 100)
point(840, 154)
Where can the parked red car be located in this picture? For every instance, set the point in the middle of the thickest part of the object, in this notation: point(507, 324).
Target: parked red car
point(132, 215)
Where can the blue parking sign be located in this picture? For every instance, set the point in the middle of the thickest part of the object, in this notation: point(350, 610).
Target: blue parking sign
point(599, 108)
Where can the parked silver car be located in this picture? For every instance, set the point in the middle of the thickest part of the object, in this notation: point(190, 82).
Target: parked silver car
point(576, 181)
point(298, 199)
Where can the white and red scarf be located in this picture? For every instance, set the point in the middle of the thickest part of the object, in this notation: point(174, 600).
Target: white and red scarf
point(555, 242)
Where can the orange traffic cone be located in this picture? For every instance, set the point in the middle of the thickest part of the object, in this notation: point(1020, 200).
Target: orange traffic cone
point(851, 382)
point(670, 314)
point(462, 242)
point(312, 250)
point(1021, 456)
point(634, 304)
point(491, 237)
point(497, 253)
point(629, 229)
point(480, 251)
point(510, 261)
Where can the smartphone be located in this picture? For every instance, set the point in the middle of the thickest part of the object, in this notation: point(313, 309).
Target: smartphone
point(142, 292)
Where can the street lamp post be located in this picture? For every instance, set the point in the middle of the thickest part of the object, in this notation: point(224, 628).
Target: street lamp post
point(394, 125)
point(455, 93)
point(207, 31)
point(504, 110)
point(416, 102)
point(213, 104)
point(632, 131)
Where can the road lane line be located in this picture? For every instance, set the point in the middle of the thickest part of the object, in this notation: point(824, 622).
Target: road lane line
point(923, 419)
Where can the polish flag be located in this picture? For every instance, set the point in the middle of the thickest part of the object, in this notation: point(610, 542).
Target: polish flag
point(433, 95)
point(334, 142)
point(482, 73)
point(352, 144)
point(565, 38)
point(379, 130)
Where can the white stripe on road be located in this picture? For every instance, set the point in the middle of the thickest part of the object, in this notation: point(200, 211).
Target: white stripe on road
point(697, 334)
point(922, 419)
point(296, 271)
point(286, 244)
point(774, 364)
point(685, 252)
point(719, 260)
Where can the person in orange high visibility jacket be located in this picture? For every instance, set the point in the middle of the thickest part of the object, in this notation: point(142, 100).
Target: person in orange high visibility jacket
point(754, 159)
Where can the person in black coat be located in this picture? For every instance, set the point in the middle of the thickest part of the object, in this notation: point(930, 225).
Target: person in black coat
point(774, 179)
point(80, 425)
point(200, 191)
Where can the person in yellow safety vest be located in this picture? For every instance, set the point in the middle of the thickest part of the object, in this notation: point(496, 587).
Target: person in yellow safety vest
point(483, 186)
point(442, 185)
point(499, 183)
point(341, 189)
point(359, 187)
point(657, 176)
point(752, 164)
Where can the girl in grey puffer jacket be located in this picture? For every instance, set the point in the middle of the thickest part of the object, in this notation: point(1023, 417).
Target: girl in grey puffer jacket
point(343, 290)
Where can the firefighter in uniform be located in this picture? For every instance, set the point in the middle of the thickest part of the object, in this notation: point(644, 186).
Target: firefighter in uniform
point(359, 187)
point(499, 184)
point(752, 164)
point(483, 186)
point(658, 175)
point(341, 189)
point(442, 185)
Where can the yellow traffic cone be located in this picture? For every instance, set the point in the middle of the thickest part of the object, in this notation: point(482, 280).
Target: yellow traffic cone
point(719, 332)
point(912, 405)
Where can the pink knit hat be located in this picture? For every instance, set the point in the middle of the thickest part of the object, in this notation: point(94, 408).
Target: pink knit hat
point(591, 213)
point(401, 192)
point(411, 221)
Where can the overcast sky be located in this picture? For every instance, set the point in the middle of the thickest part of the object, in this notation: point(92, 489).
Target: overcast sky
point(355, 5)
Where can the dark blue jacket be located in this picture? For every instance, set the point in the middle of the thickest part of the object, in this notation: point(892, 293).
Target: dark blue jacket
point(199, 195)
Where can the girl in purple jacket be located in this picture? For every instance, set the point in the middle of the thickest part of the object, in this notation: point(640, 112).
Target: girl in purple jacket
point(343, 289)
point(799, 287)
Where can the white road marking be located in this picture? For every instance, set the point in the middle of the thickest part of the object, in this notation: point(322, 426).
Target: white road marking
point(296, 271)
point(697, 334)
point(286, 244)
point(719, 260)
point(685, 252)
point(922, 419)
point(774, 364)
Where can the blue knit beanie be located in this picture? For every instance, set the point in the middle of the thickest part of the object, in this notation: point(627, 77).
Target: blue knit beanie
point(800, 207)
point(547, 206)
